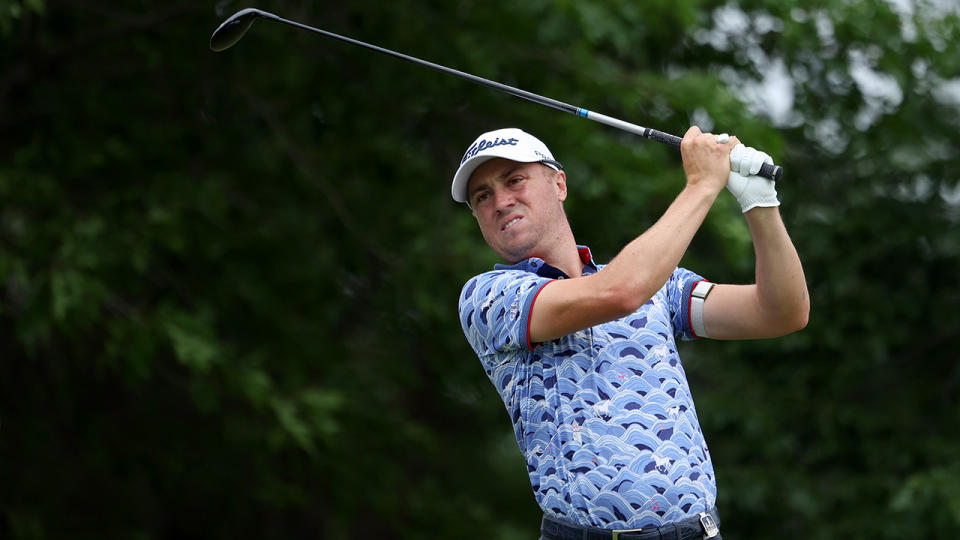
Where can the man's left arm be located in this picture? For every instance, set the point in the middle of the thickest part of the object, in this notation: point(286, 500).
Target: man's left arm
point(778, 303)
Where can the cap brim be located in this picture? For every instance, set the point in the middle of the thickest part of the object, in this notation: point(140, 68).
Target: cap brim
point(461, 180)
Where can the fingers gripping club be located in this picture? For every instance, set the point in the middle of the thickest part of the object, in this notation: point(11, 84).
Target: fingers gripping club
point(750, 190)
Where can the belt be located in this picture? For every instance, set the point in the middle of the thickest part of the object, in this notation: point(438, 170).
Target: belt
point(703, 526)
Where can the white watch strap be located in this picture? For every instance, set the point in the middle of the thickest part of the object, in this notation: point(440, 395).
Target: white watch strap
point(697, 298)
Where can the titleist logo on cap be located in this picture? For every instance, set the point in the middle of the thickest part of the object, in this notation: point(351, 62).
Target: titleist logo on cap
point(484, 144)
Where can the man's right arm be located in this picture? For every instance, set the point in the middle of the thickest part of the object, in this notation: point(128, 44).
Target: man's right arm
point(644, 265)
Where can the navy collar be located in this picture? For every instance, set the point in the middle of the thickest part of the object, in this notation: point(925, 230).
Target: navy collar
point(541, 268)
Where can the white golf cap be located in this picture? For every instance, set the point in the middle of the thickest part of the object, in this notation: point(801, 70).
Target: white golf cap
point(509, 143)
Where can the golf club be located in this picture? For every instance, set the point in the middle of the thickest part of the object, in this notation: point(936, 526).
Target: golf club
point(235, 27)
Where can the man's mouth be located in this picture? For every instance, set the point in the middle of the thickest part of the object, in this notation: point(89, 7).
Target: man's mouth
point(510, 223)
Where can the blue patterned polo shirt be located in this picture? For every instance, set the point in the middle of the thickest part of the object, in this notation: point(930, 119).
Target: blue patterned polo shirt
point(603, 416)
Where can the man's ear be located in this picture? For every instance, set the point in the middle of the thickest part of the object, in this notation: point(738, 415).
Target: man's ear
point(560, 178)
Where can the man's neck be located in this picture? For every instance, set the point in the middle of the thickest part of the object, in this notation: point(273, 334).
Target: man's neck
point(565, 257)
point(572, 266)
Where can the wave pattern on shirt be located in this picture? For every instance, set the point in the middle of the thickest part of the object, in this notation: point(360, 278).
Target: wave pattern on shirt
point(603, 416)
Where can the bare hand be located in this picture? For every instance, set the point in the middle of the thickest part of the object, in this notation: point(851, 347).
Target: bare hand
point(705, 161)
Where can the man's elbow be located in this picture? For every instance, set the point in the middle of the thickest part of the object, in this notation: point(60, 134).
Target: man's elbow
point(622, 299)
point(629, 299)
point(801, 321)
point(796, 319)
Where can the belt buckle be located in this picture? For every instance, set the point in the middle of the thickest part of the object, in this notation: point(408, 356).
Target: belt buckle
point(710, 528)
point(618, 532)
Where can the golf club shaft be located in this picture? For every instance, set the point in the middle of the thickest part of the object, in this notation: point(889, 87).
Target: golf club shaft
point(767, 170)
point(559, 105)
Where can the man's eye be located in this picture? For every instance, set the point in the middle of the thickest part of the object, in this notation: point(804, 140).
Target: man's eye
point(514, 180)
point(479, 198)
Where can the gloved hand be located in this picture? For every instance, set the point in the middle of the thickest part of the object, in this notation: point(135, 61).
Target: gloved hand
point(751, 191)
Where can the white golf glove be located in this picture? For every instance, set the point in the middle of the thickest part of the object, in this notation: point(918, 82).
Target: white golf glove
point(751, 191)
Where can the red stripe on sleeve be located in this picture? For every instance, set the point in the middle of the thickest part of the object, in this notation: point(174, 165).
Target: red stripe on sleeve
point(530, 313)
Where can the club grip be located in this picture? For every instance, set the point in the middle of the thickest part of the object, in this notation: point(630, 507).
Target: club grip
point(771, 171)
point(664, 138)
point(767, 170)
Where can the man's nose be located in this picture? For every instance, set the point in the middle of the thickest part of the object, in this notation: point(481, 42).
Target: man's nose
point(503, 199)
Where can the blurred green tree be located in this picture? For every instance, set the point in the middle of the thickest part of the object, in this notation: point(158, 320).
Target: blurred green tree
point(229, 281)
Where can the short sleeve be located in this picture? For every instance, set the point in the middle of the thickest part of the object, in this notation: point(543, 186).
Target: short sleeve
point(495, 310)
point(678, 289)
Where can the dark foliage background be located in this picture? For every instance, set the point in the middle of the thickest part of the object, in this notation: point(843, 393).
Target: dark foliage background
point(228, 281)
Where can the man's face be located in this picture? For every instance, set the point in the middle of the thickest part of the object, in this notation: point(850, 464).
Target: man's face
point(519, 206)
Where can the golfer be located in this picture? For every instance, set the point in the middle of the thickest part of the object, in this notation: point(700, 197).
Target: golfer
point(584, 355)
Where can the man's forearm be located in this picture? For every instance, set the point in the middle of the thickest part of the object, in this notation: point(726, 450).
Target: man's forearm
point(781, 285)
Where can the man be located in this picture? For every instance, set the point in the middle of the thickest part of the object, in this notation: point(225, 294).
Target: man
point(584, 355)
